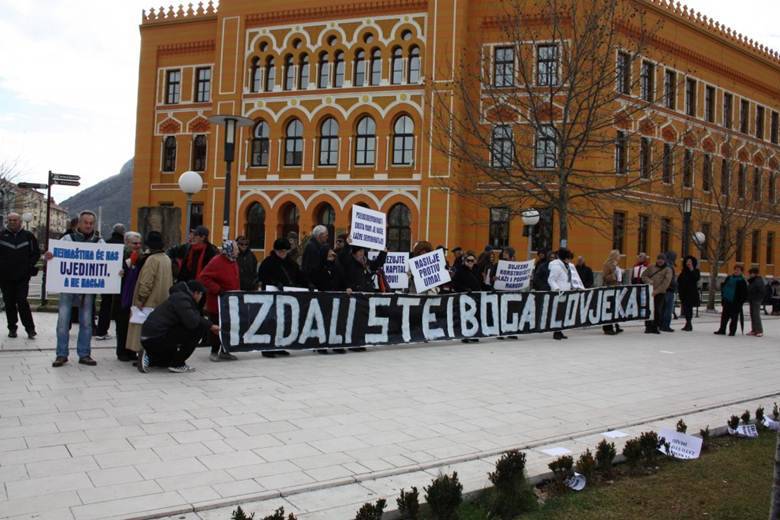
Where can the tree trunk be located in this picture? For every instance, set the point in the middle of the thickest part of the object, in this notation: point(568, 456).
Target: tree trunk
point(563, 212)
point(774, 513)
point(713, 285)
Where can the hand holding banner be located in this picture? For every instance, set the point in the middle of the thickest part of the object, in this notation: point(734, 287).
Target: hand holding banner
point(368, 228)
point(513, 276)
point(84, 267)
point(429, 270)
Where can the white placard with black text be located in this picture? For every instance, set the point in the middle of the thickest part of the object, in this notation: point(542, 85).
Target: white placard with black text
point(368, 228)
point(429, 270)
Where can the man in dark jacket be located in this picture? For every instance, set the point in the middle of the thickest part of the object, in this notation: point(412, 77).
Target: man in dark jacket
point(541, 272)
point(278, 270)
point(733, 293)
point(585, 272)
point(756, 294)
point(190, 259)
point(174, 328)
point(247, 265)
point(107, 300)
point(19, 253)
point(312, 253)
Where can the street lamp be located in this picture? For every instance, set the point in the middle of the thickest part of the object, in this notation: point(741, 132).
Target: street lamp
point(699, 238)
point(530, 219)
point(27, 218)
point(232, 124)
point(687, 209)
point(190, 183)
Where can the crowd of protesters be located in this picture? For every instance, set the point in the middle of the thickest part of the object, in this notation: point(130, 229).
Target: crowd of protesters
point(168, 302)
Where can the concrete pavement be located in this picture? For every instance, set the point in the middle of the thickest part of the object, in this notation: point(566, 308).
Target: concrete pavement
point(323, 434)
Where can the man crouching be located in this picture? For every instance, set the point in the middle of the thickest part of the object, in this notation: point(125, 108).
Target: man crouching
point(173, 330)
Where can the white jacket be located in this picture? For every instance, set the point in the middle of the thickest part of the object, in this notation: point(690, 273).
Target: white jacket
point(559, 280)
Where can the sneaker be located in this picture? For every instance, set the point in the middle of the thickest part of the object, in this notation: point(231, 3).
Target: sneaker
point(144, 362)
point(12, 333)
point(214, 356)
point(751, 333)
point(268, 353)
point(87, 360)
point(182, 369)
point(226, 356)
point(59, 361)
point(759, 335)
point(338, 350)
point(559, 335)
point(103, 337)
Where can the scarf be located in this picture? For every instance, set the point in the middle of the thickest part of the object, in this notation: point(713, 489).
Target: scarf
point(190, 258)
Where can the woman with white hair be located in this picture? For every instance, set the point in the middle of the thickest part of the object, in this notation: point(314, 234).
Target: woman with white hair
point(120, 310)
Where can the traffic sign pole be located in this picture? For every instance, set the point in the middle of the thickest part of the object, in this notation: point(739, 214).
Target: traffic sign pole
point(62, 180)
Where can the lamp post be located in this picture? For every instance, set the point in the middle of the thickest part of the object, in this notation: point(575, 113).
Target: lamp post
point(190, 183)
point(232, 124)
point(530, 219)
point(27, 218)
point(687, 209)
point(699, 239)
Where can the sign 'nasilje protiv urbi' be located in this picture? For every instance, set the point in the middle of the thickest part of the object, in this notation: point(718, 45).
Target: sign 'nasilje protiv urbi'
point(266, 321)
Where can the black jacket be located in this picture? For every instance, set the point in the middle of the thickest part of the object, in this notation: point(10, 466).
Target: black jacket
point(688, 284)
point(19, 253)
point(312, 257)
point(360, 277)
point(116, 238)
point(247, 270)
point(280, 273)
point(178, 256)
point(466, 280)
point(541, 274)
point(179, 311)
point(756, 289)
point(586, 275)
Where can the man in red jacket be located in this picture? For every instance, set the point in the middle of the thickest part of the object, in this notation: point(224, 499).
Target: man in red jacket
point(220, 275)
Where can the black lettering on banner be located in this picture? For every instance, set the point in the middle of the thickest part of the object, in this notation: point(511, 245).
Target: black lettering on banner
point(307, 320)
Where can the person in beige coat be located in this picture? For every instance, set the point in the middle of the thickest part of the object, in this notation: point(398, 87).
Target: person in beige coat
point(659, 276)
point(154, 283)
point(610, 276)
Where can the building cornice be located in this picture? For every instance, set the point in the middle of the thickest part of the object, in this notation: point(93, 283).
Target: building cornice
point(336, 10)
point(186, 48)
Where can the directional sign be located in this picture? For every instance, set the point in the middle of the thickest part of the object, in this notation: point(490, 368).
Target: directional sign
point(66, 183)
point(62, 177)
point(32, 186)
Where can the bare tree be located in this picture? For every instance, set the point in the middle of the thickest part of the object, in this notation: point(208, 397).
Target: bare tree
point(541, 118)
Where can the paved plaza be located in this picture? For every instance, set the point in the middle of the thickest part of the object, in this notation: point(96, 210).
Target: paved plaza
point(320, 435)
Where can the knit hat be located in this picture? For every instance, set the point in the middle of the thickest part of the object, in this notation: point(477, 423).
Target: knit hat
point(154, 240)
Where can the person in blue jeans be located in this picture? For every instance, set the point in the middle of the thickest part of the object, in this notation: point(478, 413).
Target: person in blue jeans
point(84, 232)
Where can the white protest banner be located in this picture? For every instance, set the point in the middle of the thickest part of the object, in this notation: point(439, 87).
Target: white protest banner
point(84, 267)
point(745, 430)
point(680, 445)
point(576, 482)
point(770, 424)
point(368, 228)
point(429, 270)
point(513, 276)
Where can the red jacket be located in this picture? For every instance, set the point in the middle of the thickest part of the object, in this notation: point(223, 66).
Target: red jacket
point(219, 275)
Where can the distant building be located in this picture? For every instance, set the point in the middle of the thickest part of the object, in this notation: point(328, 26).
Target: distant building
point(22, 200)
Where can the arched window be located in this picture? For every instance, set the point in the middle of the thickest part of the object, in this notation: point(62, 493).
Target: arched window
point(254, 230)
point(365, 145)
point(293, 145)
point(288, 219)
point(397, 74)
point(270, 74)
point(403, 141)
point(324, 71)
point(338, 75)
point(414, 65)
point(326, 216)
point(399, 231)
point(199, 153)
point(376, 67)
point(360, 69)
point(289, 73)
point(329, 143)
point(169, 154)
point(260, 145)
point(255, 86)
point(303, 78)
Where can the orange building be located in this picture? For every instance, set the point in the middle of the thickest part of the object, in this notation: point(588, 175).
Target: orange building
point(342, 99)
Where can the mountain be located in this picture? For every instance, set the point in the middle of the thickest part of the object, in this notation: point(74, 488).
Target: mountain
point(111, 195)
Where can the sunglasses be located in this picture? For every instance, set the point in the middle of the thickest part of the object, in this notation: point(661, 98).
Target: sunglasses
point(470, 260)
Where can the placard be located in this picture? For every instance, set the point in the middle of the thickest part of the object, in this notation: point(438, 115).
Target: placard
point(396, 271)
point(368, 228)
point(770, 424)
point(513, 276)
point(429, 270)
point(745, 430)
point(680, 445)
point(84, 267)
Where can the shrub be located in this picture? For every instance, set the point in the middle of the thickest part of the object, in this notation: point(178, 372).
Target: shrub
point(409, 504)
point(632, 451)
point(649, 443)
point(238, 514)
point(586, 465)
point(562, 469)
point(681, 426)
point(371, 511)
point(278, 515)
point(444, 495)
point(512, 494)
point(705, 437)
point(745, 417)
point(733, 422)
point(605, 455)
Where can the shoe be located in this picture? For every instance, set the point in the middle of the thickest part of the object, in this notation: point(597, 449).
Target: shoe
point(181, 370)
point(282, 353)
point(268, 353)
point(12, 333)
point(59, 361)
point(719, 333)
point(144, 362)
point(322, 351)
point(339, 350)
point(103, 337)
point(559, 335)
point(227, 356)
point(618, 330)
point(667, 329)
point(357, 349)
point(751, 333)
point(610, 332)
point(759, 335)
point(214, 356)
point(513, 337)
point(31, 334)
point(87, 360)
point(732, 333)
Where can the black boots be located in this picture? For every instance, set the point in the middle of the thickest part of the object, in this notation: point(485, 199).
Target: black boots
point(688, 326)
point(651, 327)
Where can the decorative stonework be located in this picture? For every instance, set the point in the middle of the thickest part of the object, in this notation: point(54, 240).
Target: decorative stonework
point(170, 126)
point(162, 15)
point(199, 124)
point(187, 48)
point(336, 10)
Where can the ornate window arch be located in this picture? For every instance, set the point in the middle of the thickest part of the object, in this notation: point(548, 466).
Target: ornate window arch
point(289, 73)
point(403, 141)
point(293, 144)
point(289, 217)
point(303, 76)
point(329, 142)
point(323, 78)
point(169, 154)
point(399, 230)
point(270, 74)
point(365, 144)
point(397, 67)
point(255, 75)
point(199, 149)
point(254, 228)
point(414, 72)
point(376, 67)
point(359, 76)
point(260, 144)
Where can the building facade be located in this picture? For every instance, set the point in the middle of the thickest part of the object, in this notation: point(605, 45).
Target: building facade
point(342, 96)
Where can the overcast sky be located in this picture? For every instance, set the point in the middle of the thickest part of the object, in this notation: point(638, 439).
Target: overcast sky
point(68, 80)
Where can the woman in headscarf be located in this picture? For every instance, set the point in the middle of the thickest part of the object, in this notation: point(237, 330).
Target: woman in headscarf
point(154, 281)
point(221, 274)
point(611, 275)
